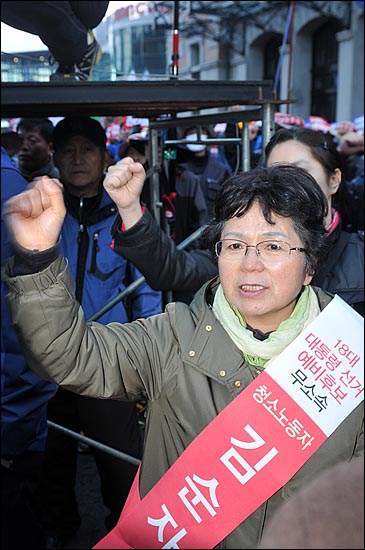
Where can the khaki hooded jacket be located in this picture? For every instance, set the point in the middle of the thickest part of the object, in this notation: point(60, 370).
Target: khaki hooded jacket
point(182, 361)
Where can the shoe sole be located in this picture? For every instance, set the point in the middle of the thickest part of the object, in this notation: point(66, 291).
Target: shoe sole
point(63, 78)
point(69, 78)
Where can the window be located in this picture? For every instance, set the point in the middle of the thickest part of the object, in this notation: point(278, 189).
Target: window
point(324, 71)
point(194, 55)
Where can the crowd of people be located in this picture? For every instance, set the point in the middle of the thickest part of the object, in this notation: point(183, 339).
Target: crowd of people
point(78, 229)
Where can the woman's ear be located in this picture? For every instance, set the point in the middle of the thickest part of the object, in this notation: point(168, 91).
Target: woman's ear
point(335, 180)
point(308, 279)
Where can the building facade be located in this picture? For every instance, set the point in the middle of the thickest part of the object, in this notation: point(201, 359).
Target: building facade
point(312, 51)
point(26, 66)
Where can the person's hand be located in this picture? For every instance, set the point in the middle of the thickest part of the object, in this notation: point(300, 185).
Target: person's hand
point(351, 143)
point(124, 183)
point(35, 217)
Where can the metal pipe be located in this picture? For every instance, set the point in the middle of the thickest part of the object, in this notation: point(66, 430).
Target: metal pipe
point(155, 178)
point(95, 444)
point(130, 288)
point(214, 141)
point(292, 5)
point(246, 152)
point(268, 124)
point(175, 42)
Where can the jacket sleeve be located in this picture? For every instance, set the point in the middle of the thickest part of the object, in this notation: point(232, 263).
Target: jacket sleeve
point(145, 301)
point(157, 258)
point(118, 361)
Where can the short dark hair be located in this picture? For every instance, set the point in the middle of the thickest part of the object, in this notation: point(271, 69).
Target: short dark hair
point(321, 145)
point(285, 190)
point(44, 125)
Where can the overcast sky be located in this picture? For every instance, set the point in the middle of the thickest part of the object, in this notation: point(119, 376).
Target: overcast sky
point(13, 40)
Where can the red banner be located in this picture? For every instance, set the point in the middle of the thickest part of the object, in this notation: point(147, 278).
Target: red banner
point(255, 445)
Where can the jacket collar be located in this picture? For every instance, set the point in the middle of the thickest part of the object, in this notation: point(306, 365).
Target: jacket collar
point(92, 209)
point(48, 170)
point(207, 346)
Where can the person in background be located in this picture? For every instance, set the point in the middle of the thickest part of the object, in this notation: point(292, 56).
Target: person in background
point(136, 147)
point(233, 152)
point(184, 207)
point(183, 201)
point(114, 143)
point(35, 155)
point(24, 398)
point(351, 148)
point(99, 275)
point(356, 193)
point(238, 320)
point(211, 172)
point(218, 151)
point(255, 137)
point(327, 513)
point(340, 128)
point(11, 141)
point(341, 270)
point(65, 28)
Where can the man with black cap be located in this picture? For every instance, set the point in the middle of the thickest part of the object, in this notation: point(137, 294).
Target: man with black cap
point(99, 274)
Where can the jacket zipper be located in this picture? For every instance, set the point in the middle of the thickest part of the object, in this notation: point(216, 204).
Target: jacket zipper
point(83, 242)
point(94, 252)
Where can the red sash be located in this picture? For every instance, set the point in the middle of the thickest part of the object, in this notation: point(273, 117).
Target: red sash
point(255, 445)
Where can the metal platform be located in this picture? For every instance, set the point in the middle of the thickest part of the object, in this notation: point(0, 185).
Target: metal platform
point(149, 99)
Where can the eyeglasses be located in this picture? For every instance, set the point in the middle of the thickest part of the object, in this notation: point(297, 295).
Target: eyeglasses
point(269, 251)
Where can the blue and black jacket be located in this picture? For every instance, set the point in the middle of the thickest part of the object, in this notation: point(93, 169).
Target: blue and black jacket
point(100, 274)
point(24, 395)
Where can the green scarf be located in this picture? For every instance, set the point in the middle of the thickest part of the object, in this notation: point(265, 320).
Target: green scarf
point(257, 352)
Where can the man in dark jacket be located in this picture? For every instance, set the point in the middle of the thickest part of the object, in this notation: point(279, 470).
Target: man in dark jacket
point(210, 171)
point(184, 207)
point(35, 155)
point(24, 398)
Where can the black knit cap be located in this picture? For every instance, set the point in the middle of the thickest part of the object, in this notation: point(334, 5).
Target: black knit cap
point(78, 126)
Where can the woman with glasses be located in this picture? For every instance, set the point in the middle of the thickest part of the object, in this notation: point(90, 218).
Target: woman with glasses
point(192, 361)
